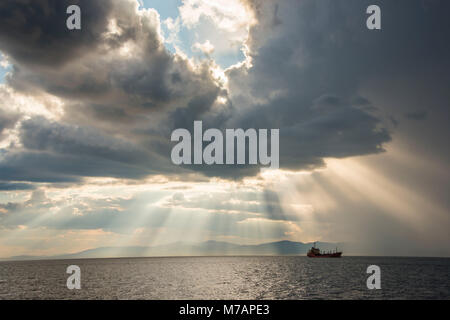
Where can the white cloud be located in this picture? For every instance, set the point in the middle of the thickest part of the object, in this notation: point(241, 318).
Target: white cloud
point(173, 26)
point(225, 25)
point(4, 63)
point(205, 47)
point(229, 15)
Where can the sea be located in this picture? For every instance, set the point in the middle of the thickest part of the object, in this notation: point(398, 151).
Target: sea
point(274, 277)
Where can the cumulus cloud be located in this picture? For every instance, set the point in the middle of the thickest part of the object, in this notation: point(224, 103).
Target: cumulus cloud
point(116, 79)
point(7, 120)
point(232, 15)
point(122, 83)
point(206, 47)
point(103, 101)
point(39, 134)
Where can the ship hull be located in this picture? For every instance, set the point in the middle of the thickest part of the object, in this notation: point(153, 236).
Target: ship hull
point(325, 255)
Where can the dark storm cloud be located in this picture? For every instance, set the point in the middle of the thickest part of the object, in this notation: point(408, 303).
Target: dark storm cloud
point(50, 167)
point(106, 77)
point(56, 152)
point(106, 93)
point(308, 69)
point(40, 134)
point(34, 32)
point(418, 115)
point(309, 60)
point(7, 121)
point(7, 186)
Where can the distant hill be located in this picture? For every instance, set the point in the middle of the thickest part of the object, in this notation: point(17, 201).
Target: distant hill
point(208, 248)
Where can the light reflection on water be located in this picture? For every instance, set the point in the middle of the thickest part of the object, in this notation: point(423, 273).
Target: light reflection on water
point(228, 278)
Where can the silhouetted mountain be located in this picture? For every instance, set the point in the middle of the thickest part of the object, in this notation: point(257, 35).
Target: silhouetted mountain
point(208, 248)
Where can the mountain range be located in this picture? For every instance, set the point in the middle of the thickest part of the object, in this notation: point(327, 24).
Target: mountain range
point(207, 248)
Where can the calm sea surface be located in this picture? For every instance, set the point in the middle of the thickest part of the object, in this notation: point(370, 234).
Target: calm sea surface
point(228, 278)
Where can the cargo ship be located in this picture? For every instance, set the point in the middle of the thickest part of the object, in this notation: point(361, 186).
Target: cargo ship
point(315, 253)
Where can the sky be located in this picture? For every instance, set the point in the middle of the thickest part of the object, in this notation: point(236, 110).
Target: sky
point(86, 118)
